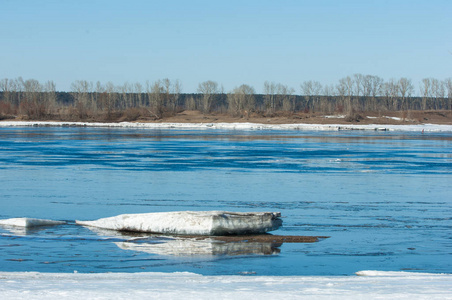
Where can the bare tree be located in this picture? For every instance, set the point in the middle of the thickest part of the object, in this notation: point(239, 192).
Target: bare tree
point(109, 99)
point(405, 89)
point(50, 97)
point(33, 107)
point(126, 95)
point(329, 90)
point(285, 96)
point(448, 86)
point(209, 90)
point(155, 94)
point(270, 96)
point(358, 80)
point(391, 92)
point(4, 87)
point(241, 100)
point(426, 91)
point(345, 91)
point(172, 90)
point(138, 91)
point(80, 91)
point(307, 91)
point(438, 90)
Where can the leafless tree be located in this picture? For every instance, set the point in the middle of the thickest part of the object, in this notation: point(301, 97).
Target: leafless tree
point(405, 89)
point(209, 90)
point(307, 91)
point(138, 91)
point(33, 107)
point(241, 100)
point(80, 91)
point(448, 86)
point(358, 80)
point(50, 98)
point(270, 96)
point(155, 93)
point(345, 91)
point(126, 95)
point(109, 99)
point(391, 91)
point(285, 96)
point(426, 91)
point(4, 87)
point(172, 90)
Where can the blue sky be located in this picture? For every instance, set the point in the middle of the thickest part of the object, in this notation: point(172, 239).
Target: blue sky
point(231, 42)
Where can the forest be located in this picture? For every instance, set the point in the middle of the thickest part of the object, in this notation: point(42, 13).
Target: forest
point(154, 100)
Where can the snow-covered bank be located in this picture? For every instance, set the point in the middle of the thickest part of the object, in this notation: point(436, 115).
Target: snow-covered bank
point(239, 126)
point(31, 285)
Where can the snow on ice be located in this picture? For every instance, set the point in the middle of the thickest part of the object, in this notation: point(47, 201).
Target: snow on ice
point(32, 285)
point(191, 222)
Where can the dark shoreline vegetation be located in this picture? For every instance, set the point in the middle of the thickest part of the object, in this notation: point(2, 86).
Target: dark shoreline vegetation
point(352, 96)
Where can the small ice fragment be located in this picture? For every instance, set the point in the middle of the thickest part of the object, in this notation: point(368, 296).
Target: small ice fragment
point(29, 222)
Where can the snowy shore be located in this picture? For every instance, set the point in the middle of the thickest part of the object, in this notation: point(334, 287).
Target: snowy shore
point(370, 285)
point(238, 126)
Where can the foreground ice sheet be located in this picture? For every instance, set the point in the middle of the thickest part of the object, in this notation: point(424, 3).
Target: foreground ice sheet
point(130, 286)
point(29, 222)
point(192, 222)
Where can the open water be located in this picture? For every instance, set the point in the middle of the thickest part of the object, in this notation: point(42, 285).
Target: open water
point(383, 198)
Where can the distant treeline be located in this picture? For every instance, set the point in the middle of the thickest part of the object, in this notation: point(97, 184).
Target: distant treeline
point(30, 99)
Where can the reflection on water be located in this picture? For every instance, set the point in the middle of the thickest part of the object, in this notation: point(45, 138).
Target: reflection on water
point(166, 245)
point(196, 247)
point(23, 231)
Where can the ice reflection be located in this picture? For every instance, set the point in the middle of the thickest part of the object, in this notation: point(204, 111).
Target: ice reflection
point(23, 231)
point(186, 246)
point(200, 247)
point(16, 230)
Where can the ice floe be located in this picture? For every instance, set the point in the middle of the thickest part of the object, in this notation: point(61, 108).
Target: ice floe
point(29, 222)
point(237, 126)
point(192, 222)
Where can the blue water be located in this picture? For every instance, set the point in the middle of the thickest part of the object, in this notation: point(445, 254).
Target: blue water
point(383, 198)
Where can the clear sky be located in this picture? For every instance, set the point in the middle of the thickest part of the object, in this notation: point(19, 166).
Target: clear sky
point(231, 42)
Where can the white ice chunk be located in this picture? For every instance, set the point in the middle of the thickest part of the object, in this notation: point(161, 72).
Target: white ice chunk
point(192, 222)
point(29, 222)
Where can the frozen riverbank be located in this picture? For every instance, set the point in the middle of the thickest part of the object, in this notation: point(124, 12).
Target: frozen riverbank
point(240, 126)
point(370, 285)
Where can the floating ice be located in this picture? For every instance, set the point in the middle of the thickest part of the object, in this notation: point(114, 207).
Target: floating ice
point(192, 222)
point(29, 222)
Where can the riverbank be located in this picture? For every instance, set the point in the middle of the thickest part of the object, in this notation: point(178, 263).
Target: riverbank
point(193, 116)
point(238, 126)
